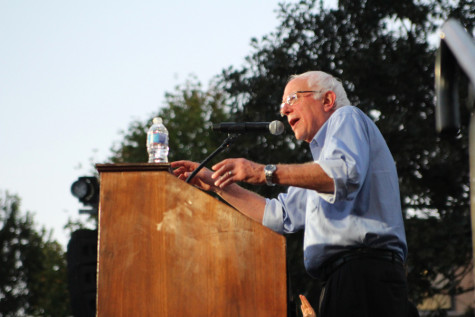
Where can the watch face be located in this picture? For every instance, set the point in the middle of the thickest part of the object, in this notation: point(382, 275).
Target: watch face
point(270, 168)
point(269, 171)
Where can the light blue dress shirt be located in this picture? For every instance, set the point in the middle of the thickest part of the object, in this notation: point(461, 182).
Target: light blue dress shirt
point(365, 208)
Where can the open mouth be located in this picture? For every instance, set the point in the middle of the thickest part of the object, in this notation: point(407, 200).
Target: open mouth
point(293, 122)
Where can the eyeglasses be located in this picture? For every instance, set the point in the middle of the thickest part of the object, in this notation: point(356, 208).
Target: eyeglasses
point(293, 98)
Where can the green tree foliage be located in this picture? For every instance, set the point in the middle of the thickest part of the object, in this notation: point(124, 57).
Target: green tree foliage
point(188, 115)
point(33, 271)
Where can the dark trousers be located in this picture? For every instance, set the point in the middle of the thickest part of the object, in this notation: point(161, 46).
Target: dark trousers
point(365, 287)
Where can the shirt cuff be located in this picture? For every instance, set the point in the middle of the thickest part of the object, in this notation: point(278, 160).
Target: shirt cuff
point(336, 170)
point(273, 216)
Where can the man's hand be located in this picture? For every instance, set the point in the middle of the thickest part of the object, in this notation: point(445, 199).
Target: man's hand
point(247, 202)
point(237, 170)
point(203, 180)
point(307, 309)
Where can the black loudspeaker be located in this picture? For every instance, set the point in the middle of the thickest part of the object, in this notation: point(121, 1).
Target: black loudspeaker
point(82, 272)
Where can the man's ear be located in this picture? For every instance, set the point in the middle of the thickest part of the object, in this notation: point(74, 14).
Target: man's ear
point(329, 101)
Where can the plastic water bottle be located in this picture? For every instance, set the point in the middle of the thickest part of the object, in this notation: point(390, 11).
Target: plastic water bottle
point(157, 142)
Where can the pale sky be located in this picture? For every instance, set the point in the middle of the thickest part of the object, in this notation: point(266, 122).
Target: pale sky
point(75, 73)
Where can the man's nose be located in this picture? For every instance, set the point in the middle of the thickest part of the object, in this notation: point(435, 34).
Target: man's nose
point(285, 109)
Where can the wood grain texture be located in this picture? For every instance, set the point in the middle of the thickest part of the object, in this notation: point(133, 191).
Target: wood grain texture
point(169, 249)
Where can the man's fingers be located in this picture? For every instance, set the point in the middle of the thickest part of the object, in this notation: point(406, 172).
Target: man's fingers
point(220, 172)
point(218, 165)
point(225, 183)
point(304, 301)
point(223, 177)
point(178, 170)
point(177, 164)
point(186, 164)
point(306, 308)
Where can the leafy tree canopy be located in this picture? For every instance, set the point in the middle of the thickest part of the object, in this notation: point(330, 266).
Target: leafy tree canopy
point(32, 266)
point(188, 114)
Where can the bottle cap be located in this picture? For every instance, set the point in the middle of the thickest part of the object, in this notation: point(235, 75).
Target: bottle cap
point(157, 120)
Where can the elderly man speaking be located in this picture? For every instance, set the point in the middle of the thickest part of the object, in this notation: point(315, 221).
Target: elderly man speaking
point(347, 200)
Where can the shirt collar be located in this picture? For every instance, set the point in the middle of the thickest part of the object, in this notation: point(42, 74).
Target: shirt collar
point(319, 138)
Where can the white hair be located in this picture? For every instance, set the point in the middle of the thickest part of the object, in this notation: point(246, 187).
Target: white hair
point(319, 80)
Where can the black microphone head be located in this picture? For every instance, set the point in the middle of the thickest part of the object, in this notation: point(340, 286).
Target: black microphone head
point(276, 127)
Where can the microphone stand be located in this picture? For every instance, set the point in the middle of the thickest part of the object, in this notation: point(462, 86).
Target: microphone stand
point(226, 143)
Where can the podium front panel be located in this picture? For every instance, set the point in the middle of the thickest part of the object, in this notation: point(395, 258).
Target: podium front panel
point(169, 249)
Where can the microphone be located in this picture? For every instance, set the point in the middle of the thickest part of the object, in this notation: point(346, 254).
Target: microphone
point(275, 127)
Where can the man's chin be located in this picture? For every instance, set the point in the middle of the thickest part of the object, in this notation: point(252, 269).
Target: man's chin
point(302, 138)
point(298, 136)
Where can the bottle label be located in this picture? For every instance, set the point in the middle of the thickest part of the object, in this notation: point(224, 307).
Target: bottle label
point(158, 138)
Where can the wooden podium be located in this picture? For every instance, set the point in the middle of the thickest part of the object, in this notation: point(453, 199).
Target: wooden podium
point(168, 249)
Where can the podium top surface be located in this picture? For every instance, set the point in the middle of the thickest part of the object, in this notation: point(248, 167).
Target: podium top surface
point(133, 167)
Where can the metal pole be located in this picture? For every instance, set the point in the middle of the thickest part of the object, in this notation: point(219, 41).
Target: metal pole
point(456, 52)
point(471, 137)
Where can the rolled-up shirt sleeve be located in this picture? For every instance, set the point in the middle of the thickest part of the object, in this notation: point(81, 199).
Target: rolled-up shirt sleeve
point(286, 213)
point(345, 156)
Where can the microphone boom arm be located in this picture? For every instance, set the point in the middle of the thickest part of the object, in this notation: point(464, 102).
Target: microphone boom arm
point(226, 143)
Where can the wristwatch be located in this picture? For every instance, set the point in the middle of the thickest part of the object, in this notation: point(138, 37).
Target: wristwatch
point(269, 172)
